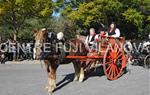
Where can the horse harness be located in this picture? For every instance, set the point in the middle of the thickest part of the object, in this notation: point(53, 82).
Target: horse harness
point(52, 42)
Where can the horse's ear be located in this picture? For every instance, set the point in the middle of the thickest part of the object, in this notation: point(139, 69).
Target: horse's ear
point(44, 30)
point(34, 30)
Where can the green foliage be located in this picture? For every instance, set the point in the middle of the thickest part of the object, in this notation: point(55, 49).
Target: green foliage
point(93, 12)
point(148, 18)
point(5, 33)
point(14, 13)
point(21, 16)
point(132, 15)
point(66, 26)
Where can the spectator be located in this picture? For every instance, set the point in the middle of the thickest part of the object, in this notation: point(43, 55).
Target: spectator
point(3, 54)
point(13, 50)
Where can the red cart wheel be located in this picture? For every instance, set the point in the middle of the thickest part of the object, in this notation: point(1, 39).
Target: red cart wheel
point(147, 61)
point(114, 62)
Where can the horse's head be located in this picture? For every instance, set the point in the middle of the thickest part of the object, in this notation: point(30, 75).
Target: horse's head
point(45, 36)
point(40, 37)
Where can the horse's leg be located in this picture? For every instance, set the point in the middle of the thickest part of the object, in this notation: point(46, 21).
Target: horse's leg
point(81, 77)
point(77, 71)
point(47, 69)
point(52, 77)
point(34, 53)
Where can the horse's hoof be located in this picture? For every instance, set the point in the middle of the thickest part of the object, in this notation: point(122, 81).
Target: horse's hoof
point(46, 87)
point(76, 79)
point(50, 89)
point(80, 80)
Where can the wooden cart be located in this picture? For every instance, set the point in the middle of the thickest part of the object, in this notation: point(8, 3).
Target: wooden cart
point(110, 54)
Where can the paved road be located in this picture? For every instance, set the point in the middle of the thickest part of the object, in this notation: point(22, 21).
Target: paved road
point(30, 79)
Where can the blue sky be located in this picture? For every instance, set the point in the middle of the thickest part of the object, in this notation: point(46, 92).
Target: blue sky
point(54, 0)
point(56, 14)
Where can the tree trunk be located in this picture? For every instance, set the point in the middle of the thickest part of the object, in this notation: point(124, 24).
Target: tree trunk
point(15, 35)
point(0, 39)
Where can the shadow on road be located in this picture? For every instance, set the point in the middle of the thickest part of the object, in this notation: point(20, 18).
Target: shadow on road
point(68, 78)
point(98, 72)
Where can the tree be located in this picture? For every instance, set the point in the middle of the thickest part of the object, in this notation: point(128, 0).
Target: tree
point(65, 25)
point(135, 17)
point(34, 23)
point(14, 13)
point(92, 13)
point(131, 16)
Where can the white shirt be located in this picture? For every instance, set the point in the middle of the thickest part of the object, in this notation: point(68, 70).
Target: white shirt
point(149, 36)
point(88, 40)
point(117, 33)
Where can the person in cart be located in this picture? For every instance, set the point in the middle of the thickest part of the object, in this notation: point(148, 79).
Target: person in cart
point(113, 31)
point(101, 32)
point(90, 39)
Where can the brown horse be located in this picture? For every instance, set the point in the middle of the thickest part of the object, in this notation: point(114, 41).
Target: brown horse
point(78, 48)
point(52, 60)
